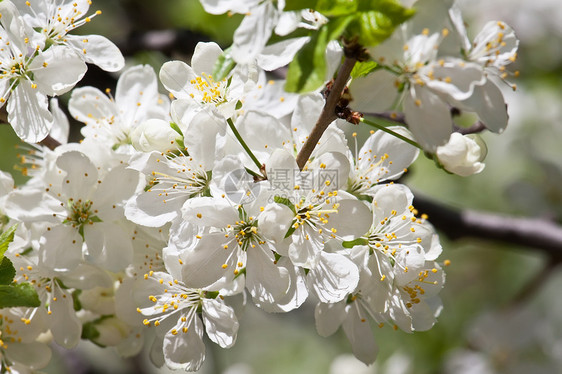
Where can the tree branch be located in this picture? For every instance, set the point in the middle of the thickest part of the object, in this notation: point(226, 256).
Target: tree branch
point(528, 232)
point(328, 114)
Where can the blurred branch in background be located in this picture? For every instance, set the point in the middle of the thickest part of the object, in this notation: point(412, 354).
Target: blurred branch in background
point(531, 233)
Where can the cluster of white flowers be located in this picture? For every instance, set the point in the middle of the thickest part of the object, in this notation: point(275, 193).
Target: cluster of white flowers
point(173, 208)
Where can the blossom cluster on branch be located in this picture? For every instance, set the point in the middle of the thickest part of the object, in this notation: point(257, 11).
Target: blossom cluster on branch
point(177, 209)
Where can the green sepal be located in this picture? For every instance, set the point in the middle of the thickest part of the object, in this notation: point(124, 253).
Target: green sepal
point(210, 294)
point(21, 294)
point(176, 128)
point(238, 105)
point(353, 243)
point(290, 232)
point(6, 238)
point(307, 71)
point(362, 69)
point(7, 271)
point(286, 202)
point(240, 272)
point(89, 331)
point(223, 65)
point(76, 300)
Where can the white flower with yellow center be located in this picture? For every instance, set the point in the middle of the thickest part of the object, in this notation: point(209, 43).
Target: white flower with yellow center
point(426, 84)
point(493, 49)
point(383, 157)
point(172, 181)
point(178, 314)
point(19, 329)
point(112, 120)
point(320, 210)
point(28, 75)
point(84, 213)
point(196, 85)
point(55, 19)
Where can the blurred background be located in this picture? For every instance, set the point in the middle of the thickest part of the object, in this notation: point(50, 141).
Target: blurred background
point(502, 303)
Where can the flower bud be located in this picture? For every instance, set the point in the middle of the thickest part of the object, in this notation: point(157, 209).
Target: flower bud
point(154, 135)
point(462, 155)
point(111, 332)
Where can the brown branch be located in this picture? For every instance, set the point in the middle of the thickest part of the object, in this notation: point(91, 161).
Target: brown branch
point(328, 114)
point(50, 142)
point(524, 232)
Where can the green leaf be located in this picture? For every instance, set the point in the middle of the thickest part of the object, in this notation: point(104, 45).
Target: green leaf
point(328, 8)
point(223, 65)
point(353, 243)
point(7, 271)
point(299, 4)
point(6, 238)
point(362, 69)
point(376, 21)
point(21, 294)
point(307, 71)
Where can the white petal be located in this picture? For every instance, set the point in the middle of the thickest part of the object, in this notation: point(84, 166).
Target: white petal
point(175, 76)
point(334, 277)
point(455, 78)
point(329, 317)
point(31, 205)
point(488, 102)
point(374, 93)
point(352, 220)
point(65, 326)
point(136, 93)
point(220, 322)
point(90, 106)
point(361, 337)
point(275, 221)
point(21, 353)
point(204, 57)
point(63, 70)
point(81, 175)
point(28, 113)
point(428, 118)
point(253, 33)
point(185, 350)
point(203, 265)
point(266, 281)
point(61, 248)
point(400, 155)
point(61, 127)
point(106, 247)
point(97, 50)
point(208, 211)
point(280, 54)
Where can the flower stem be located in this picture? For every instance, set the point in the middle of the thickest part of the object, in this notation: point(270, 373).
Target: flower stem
point(243, 143)
point(393, 133)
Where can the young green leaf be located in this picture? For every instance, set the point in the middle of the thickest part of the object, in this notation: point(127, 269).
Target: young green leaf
point(308, 70)
point(7, 271)
point(21, 294)
point(6, 238)
point(362, 69)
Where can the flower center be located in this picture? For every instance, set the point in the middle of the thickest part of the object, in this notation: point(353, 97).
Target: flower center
point(210, 91)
